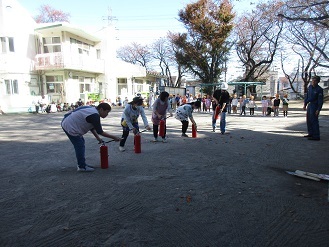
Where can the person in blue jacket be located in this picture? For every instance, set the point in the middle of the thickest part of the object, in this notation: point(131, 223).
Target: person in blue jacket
point(313, 103)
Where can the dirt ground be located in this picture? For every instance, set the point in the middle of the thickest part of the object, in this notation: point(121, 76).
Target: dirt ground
point(213, 190)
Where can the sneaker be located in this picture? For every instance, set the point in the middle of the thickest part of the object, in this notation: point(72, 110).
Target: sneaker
point(85, 169)
point(184, 135)
point(155, 140)
point(213, 129)
point(164, 140)
point(121, 149)
point(90, 166)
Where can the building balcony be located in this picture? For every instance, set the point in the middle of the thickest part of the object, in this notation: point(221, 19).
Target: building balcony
point(59, 61)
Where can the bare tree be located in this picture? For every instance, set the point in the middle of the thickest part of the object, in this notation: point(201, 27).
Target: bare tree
point(136, 54)
point(309, 42)
point(315, 12)
point(49, 14)
point(258, 34)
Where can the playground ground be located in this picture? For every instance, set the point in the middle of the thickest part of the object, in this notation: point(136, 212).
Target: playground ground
point(213, 190)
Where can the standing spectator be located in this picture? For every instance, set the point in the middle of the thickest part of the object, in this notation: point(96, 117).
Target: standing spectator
point(208, 103)
point(243, 104)
point(240, 104)
point(204, 108)
point(251, 105)
point(78, 122)
point(159, 110)
point(313, 102)
point(174, 102)
point(178, 100)
point(222, 98)
point(199, 99)
point(285, 103)
point(276, 105)
point(264, 105)
point(214, 115)
point(269, 106)
point(235, 102)
point(184, 113)
point(129, 120)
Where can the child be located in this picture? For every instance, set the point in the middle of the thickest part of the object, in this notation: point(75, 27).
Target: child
point(243, 104)
point(252, 105)
point(285, 104)
point(276, 105)
point(129, 120)
point(264, 105)
point(160, 108)
point(78, 122)
point(184, 112)
point(235, 103)
point(269, 106)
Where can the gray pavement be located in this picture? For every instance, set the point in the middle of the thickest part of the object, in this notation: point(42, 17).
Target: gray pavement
point(213, 190)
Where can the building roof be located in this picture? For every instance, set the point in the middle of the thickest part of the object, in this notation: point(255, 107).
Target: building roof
point(47, 28)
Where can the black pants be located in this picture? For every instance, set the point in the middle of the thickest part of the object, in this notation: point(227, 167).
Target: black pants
point(184, 126)
point(252, 111)
point(243, 110)
point(156, 131)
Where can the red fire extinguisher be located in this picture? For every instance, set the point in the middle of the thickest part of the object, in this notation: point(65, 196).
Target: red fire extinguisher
point(104, 156)
point(161, 128)
point(194, 132)
point(137, 143)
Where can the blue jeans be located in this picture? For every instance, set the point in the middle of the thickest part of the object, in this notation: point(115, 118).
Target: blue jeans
point(213, 120)
point(222, 123)
point(79, 147)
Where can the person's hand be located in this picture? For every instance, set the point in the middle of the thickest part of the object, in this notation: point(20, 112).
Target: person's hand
point(135, 131)
point(317, 113)
point(117, 139)
point(304, 108)
point(159, 116)
point(100, 141)
point(148, 127)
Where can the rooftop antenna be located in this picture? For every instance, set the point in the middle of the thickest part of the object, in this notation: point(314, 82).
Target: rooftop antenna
point(109, 17)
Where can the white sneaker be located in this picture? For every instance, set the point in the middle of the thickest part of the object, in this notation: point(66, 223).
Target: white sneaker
point(155, 140)
point(122, 149)
point(164, 140)
point(85, 169)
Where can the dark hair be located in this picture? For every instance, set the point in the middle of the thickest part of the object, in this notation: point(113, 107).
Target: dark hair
point(163, 95)
point(217, 94)
point(317, 78)
point(137, 100)
point(104, 106)
point(195, 103)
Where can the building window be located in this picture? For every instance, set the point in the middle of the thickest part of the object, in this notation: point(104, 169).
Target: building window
point(83, 48)
point(85, 84)
point(4, 47)
point(54, 83)
point(11, 86)
point(51, 44)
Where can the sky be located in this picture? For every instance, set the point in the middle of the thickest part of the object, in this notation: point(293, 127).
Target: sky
point(141, 21)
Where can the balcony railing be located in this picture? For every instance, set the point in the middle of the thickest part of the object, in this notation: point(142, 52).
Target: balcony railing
point(57, 60)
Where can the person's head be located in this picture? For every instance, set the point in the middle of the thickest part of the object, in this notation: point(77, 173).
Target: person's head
point(195, 104)
point(285, 96)
point(315, 80)
point(264, 97)
point(137, 101)
point(103, 109)
point(163, 96)
point(252, 97)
